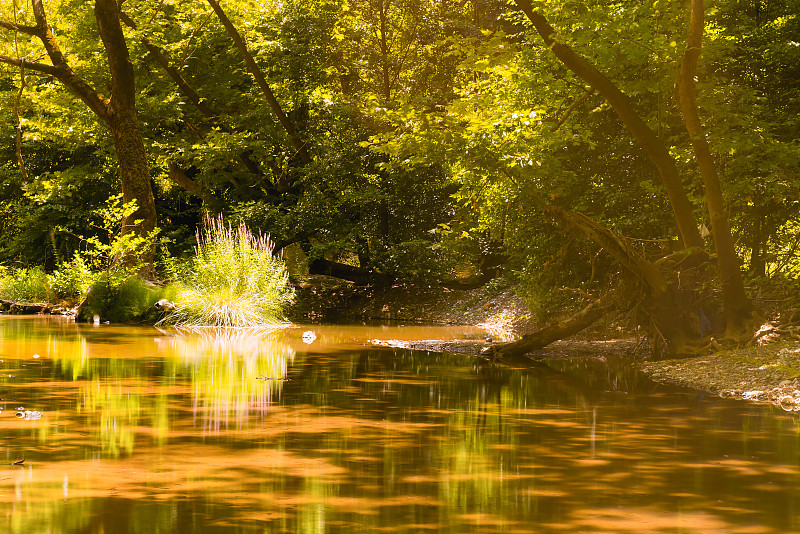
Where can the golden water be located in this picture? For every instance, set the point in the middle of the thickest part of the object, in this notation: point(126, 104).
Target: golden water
point(144, 431)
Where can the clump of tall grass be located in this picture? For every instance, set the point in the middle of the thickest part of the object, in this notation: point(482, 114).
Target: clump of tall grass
point(233, 280)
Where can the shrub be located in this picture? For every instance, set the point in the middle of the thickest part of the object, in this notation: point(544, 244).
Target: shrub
point(27, 285)
point(120, 302)
point(234, 280)
point(72, 279)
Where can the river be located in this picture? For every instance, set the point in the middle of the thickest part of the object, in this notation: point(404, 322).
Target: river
point(121, 429)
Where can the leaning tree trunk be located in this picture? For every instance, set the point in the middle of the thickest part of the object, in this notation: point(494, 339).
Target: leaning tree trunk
point(738, 308)
point(298, 144)
point(554, 332)
point(667, 301)
point(661, 307)
point(662, 293)
point(622, 105)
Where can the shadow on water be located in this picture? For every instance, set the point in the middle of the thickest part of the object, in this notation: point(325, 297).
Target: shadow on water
point(141, 430)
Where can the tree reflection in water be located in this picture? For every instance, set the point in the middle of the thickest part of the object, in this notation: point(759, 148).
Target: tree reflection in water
point(149, 431)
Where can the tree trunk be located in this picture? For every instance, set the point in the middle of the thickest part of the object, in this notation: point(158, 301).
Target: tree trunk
point(668, 303)
point(386, 89)
point(118, 112)
point(738, 308)
point(134, 172)
point(121, 118)
point(759, 237)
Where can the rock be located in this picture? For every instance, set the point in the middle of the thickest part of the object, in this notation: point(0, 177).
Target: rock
point(29, 415)
point(165, 305)
point(309, 336)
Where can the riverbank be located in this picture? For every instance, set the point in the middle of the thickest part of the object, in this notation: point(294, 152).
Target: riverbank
point(496, 307)
point(768, 373)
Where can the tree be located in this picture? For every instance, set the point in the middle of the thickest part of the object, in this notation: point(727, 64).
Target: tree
point(622, 105)
point(274, 105)
point(118, 111)
point(738, 309)
point(540, 132)
point(664, 304)
point(367, 195)
point(385, 136)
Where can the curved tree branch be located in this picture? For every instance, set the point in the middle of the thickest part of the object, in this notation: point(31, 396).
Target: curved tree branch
point(118, 112)
point(664, 311)
point(61, 69)
point(274, 105)
point(623, 106)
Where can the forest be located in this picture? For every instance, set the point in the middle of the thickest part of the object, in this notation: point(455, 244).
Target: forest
point(630, 157)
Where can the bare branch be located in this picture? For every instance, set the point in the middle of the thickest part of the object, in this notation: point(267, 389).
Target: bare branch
point(32, 65)
point(14, 27)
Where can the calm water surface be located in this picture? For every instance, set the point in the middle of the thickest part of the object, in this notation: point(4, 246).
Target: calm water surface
point(143, 431)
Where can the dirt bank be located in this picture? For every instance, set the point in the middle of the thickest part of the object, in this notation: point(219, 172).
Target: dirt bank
point(495, 307)
point(770, 373)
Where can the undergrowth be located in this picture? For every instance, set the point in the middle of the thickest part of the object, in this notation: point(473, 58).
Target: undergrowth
point(31, 284)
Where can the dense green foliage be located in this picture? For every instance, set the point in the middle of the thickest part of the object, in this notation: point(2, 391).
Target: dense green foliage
point(120, 301)
point(431, 129)
point(30, 285)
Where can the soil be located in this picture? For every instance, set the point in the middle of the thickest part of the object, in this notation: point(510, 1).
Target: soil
point(768, 373)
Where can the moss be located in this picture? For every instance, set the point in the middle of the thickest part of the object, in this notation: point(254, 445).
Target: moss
point(133, 299)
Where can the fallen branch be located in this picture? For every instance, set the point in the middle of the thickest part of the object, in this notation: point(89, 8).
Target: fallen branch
point(554, 332)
